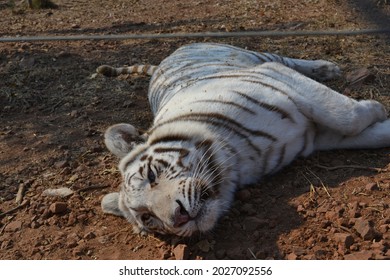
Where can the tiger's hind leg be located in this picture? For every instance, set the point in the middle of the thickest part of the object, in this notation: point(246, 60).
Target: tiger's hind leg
point(121, 138)
point(322, 105)
point(374, 136)
point(320, 70)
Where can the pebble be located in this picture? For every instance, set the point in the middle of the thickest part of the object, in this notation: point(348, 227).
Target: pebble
point(164, 254)
point(362, 255)
point(345, 239)
point(300, 208)
point(60, 192)
point(89, 235)
point(61, 164)
point(292, 256)
point(13, 226)
point(371, 187)
point(181, 252)
point(383, 228)
point(71, 219)
point(365, 230)
point(58, 207)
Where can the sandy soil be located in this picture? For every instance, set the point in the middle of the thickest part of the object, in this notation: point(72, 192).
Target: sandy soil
point(333, 205)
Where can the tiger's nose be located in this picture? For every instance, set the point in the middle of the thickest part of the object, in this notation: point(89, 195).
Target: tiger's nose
point(181, 216)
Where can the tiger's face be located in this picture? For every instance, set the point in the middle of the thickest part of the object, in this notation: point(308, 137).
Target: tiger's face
point(171, 187)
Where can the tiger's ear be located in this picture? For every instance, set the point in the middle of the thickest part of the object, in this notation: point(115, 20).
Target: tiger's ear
point(110, 204)
point(121, 138)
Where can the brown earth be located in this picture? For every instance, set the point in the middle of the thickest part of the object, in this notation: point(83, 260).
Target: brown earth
point(333, 205)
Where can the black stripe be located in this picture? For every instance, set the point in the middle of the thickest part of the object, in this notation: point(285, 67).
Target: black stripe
point(181, 151)
point(264, 105)
point(257, 81)
point(266, 160)
point(282, 153)
point(163, 162)
point(270, 57)
point(227, 103)
point(134, 157)
point(170, 138)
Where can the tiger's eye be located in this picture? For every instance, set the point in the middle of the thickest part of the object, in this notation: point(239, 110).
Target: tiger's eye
point(145, 217)
point(151, 176)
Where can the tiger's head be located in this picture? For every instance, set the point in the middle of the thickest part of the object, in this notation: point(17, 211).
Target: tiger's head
point(172, 183)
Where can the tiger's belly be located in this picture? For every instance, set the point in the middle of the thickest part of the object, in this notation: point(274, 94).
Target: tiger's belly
point(262, 126)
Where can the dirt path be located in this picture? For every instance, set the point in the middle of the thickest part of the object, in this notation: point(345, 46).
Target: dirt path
point(332, 205)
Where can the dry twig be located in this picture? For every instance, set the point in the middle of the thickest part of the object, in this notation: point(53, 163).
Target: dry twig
point(20, 194)
point(2, 215)
point(91, 188)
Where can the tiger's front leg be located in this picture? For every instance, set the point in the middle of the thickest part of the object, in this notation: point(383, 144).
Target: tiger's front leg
point(121, 138)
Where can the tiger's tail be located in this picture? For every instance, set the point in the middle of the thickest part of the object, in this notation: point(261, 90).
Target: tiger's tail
point(110, 71)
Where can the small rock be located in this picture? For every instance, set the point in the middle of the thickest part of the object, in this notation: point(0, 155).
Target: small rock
point(380, 246)
point(71, 219)
point(74, 113)
point(58, 207)
point(164, 254)
point(331, 215)
point(60, 192)
point(383, 228)
point(362, 255)
point(292, 256)
point(13, 226)
point(344, 239)
point(371, 187)
point(300, 208)
point(181, 252)
point(82, 217)
point(354, 213)
point(35, 224)
point(89, 235)
point(299, 251)
point(364, 228)
point(61, 164)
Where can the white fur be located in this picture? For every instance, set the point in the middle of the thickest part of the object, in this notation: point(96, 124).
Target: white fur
point(258, 116)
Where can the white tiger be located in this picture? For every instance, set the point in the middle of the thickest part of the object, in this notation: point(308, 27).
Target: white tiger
point(223, 118)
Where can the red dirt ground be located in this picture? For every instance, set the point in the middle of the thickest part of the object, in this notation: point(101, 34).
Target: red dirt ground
point(333, 205)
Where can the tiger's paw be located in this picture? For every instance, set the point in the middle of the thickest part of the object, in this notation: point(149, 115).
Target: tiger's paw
point(325, 70)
